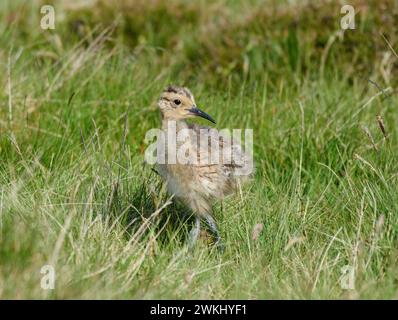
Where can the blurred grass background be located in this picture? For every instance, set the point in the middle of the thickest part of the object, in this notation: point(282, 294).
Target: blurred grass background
point(76, 103)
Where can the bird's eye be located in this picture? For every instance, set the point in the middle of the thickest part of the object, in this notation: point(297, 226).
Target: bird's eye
point(177, 102)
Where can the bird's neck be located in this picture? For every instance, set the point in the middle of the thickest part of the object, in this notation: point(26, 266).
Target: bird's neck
point(173, 124)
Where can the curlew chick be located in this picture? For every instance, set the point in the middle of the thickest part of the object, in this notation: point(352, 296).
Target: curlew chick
point(200, 164)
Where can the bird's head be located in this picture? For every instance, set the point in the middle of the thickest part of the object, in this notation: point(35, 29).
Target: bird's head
point(177, 103)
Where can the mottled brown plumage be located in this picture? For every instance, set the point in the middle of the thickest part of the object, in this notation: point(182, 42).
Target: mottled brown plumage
point(198, 181)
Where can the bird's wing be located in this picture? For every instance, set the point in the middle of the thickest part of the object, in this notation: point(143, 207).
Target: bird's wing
point(224, 150)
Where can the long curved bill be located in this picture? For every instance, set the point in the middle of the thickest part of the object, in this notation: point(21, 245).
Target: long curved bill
point(197, 112)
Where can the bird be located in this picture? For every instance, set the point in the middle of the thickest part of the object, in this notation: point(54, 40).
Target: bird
point(196, 180)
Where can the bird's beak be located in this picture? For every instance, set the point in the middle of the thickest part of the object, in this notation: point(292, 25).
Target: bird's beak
point(197, 112)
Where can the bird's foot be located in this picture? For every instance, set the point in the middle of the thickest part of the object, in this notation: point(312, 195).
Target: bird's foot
point(194, 234)
point(214, 230)
point(220, 246)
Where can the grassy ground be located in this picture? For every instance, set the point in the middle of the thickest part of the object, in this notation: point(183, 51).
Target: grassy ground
point(74, 108)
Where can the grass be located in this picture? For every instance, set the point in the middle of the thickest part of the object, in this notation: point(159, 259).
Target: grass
point(76, 104)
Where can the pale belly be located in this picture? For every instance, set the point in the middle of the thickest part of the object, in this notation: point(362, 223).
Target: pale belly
point(193, 181)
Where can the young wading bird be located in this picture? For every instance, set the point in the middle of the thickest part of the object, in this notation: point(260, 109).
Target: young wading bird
point(215, 166)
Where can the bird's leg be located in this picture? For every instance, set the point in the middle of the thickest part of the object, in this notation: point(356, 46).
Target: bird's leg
point(211, 223)
point(194, 233)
